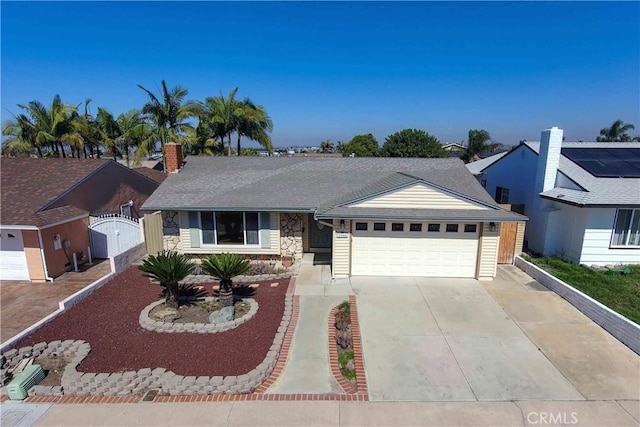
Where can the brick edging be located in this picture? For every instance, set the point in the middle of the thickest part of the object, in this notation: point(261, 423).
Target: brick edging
point(333, 354)
point(286, 343)
point(194, 398)
point(361, 378)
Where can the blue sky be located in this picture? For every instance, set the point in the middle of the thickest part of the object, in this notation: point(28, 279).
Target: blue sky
point(333, 70)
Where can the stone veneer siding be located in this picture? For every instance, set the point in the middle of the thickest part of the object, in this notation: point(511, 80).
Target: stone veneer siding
point(291, 235)
point(171, 230)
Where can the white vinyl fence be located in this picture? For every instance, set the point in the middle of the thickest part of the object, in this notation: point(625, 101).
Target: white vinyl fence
point(113, 234)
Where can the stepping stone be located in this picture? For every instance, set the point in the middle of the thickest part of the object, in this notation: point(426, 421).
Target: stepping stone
point(199, 287)
point(216, 287)
point(274, 285)
point(254, 285)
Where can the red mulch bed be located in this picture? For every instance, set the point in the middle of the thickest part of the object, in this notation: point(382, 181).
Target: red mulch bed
point(108, 320)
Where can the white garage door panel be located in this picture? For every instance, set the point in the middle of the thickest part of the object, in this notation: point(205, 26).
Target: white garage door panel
point(13, 262)
point(395, 254)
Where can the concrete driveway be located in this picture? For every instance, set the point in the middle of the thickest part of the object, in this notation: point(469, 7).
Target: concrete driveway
point(427, 339)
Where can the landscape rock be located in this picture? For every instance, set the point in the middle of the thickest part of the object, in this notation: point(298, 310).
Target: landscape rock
point(167, 314)
point(225, 314)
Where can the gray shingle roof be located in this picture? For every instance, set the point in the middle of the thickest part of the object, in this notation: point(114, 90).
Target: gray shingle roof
point(480, 165)
point(599, 191)
point(304, 184)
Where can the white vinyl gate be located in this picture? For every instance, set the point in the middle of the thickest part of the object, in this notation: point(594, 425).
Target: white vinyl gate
point(113, 234)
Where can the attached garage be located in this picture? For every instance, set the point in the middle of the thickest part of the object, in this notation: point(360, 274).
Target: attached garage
point(432, 249)
point(13, 260)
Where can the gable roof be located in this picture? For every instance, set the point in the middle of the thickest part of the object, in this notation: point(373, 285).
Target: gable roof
point(598, 191)
point(153, 174)
point(305, 184)
point(30, 184)
point(478, 166)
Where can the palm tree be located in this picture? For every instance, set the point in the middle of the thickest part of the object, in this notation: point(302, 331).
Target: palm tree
point(202, 141)
point(168, 268)
point(340, 146)
point(54, 125)
point(479, 143)
point(168, 112)
point(109, 130)
point(616, 133)
point(326, 146)
point(225, 267)
point(20, 139)
point(134, 132)
point(223, 115)
point(88, 127)
point(254, 123)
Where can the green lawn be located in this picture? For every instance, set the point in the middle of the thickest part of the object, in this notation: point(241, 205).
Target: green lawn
point(620, 292)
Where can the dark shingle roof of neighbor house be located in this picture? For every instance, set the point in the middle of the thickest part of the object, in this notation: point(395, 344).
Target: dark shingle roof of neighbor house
point(27, 185)
point(312, 184)
point(153, 174)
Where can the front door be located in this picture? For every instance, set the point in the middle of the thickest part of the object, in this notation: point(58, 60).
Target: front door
point(320, 236)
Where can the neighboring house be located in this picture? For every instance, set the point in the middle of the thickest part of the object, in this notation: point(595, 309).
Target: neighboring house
point(376, 216)
point(46, 204)
point(478, 166)
point(152, 174)
point(582, 198)
point(454, 149)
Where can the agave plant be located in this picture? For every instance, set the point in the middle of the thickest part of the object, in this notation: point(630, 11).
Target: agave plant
point(168, 268)
point(225, 267)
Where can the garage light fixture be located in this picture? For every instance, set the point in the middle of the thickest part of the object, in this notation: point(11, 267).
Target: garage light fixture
point(492, 226)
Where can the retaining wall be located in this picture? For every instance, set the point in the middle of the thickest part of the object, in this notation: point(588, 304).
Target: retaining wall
point(617, 325)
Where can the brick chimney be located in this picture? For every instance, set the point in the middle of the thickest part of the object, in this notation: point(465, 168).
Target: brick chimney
point(548, 159)
point(173, 157)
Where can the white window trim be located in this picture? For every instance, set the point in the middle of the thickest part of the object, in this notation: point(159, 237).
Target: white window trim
point(634, 212)
point(215, 233)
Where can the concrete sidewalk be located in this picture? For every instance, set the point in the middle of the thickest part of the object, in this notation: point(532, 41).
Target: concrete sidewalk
point(306, 413)
point(315, 279)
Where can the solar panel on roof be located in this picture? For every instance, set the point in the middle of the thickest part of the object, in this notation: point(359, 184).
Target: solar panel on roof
point(606, 162)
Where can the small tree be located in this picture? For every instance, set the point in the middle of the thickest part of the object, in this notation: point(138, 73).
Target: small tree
point(225, 267)
point(412, 143)
point(168, 268)
point(361, 146)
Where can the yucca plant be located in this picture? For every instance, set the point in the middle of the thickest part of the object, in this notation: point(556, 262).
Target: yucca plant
point(225, 267)
point(168, 268)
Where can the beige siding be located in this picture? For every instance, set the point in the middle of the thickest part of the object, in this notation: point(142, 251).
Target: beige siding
point(185, 237)
point(305, 232)
point(488, 252)
point(341, 255)
point(520, 238)
point(275, 233)
point(418, 197)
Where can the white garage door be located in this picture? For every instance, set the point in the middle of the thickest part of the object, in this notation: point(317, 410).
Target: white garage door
point(13, 262)
point(410, 249)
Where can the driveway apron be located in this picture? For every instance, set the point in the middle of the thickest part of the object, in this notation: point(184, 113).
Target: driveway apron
point(448, 340)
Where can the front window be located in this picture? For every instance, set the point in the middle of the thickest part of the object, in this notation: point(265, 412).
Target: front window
point(229, 228)
point(626, 230)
